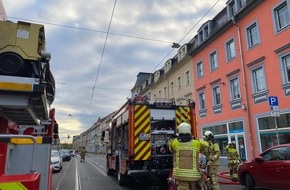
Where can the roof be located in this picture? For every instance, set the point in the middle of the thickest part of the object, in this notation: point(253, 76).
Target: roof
point(141, 77)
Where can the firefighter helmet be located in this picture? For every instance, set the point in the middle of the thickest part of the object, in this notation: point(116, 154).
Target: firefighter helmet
point(208, 135)
point(184, 128)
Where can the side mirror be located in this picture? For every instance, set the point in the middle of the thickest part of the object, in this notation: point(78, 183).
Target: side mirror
point(259, 159)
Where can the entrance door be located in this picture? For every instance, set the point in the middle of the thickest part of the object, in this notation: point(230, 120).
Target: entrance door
point(240, 145)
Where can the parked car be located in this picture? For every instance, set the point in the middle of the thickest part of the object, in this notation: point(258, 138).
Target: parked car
point(65, 154)
point(72, 153)
point(56, 160)
point(271, 169)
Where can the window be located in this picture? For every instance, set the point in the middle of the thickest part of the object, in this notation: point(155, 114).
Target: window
point(172, 87)
point(199, 69)
point(235, 89)
point(286, 65)
point(234, 6)
point(165, 92)
point(159, 93)
point(156, 76)
point(179, 83)
point(182, 52)
point(221, 135)
point(213, 61)
point(282, 18)
point(258, 76)
point(253, 35)
point(231, 50)
point(216, 96)
point(241, 3)
point(206, 32)
point(168, 65)
point(187, 78)
point(267, 130)
point(200, 35)
point(231, 8)
point(285, 72)
point(201, 98)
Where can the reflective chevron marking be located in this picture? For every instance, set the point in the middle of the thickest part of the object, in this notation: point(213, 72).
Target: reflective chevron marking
point(142, 149)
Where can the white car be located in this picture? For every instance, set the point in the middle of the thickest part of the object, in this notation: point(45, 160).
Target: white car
point(56, 160)
point(72, 153)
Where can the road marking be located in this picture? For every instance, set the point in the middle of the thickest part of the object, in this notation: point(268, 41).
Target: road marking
point(91, 162)
point(63, 176)
point(99, 165)
point(108, 177)
point(77, 183)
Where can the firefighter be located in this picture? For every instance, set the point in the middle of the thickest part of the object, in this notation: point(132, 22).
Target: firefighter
point(212, 153)
point(233, 160)
point(186, 152)
point(83, 153)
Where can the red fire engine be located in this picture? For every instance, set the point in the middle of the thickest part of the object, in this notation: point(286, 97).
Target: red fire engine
point(139, 134)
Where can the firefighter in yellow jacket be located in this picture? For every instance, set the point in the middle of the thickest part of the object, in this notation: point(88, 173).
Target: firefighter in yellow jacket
point(212, 153)
point(233, 160)
point(186, 153)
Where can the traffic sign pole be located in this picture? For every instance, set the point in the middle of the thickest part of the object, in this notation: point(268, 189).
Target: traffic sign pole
point(273, 102)
point(276, 127)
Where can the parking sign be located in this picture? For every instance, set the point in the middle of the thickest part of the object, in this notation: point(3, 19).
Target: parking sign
point(273, 101)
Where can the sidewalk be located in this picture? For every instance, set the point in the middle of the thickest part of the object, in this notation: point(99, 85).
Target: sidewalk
point(223, 168)
point(224, 177)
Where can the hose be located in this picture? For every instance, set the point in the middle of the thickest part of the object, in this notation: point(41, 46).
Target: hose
point(224, 176)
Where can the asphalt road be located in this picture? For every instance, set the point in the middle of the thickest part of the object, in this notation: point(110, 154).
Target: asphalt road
point(91, 175)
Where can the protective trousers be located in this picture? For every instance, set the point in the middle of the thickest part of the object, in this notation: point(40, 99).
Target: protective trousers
point(233, 166)
point(83, 155)
point(187, 185)
point(212, 173)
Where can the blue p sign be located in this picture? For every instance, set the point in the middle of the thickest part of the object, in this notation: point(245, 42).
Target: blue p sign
point(273, 101)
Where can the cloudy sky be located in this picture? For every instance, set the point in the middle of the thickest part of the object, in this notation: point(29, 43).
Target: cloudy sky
point(95, 69)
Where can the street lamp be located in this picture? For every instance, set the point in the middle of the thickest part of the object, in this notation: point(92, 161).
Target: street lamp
point(175, 45)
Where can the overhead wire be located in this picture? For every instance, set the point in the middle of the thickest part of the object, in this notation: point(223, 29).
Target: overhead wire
point(186, 35)
point(102, 55)
point(118, 34)
point(91, 30)
point(90, 87)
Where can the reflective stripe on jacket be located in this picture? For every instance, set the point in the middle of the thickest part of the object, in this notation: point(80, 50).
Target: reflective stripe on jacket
point(233, 155)
point(212, 153)
point(185, 166)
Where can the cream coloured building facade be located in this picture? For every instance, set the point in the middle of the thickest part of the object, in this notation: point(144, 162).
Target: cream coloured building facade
point(172, 81)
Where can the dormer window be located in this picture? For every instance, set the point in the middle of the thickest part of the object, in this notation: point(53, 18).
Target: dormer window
point(182, 52)
point(234, 6)
point(200, 37)
point(149, 80)
point(241, 3)
point(156, 76)
point(231, 9)
point(168, 65)
point(205, 31)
